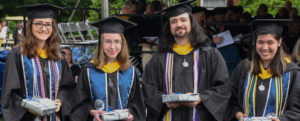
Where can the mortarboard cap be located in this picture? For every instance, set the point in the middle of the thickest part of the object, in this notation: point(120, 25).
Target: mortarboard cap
point(113, 24)
point(268, 26)
point(236, 9)
point(210, 13)
point(198, 9)
point(45, 10)
point(178, 9)
point(220, 10)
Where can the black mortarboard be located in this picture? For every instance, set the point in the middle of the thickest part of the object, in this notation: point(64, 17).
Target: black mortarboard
point(220, 10)
point(210, 13)
point(113, 24)
point(198, 9)
point(45, 10)
point(236, 9)
point(268, 26)
point(178, 9)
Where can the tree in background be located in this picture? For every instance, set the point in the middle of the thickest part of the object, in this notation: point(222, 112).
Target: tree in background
point(8, 8)
point(115, 7)
point(273, 5)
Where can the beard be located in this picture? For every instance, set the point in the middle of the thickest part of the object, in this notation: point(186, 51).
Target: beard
point(180, 34)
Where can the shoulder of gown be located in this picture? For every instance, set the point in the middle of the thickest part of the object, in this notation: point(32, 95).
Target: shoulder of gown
point(13, 87)
point(292, 111)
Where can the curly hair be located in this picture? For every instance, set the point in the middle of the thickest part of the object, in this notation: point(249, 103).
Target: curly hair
point(30, 43)
point(197, 36)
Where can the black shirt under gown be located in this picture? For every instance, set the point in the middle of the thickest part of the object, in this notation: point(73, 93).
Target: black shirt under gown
point(75, 70)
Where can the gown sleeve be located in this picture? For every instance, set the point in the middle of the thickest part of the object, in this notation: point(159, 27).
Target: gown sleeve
point(12, 93)
point(65, 92)
point(153, 88)
point(237, 81)
point(136, 104)
point(216, 93)
point(292, 112)
point(83, 103)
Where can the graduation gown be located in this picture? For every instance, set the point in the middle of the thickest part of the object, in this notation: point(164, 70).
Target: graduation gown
point(213, 83)
point(14, 90)
point(290, 107)
point(87, 94)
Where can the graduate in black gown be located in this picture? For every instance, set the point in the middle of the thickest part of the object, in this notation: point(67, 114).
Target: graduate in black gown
point(269, 84)
point(67, 52)
point(110, 82)
point(185, 64)
point(35, 70)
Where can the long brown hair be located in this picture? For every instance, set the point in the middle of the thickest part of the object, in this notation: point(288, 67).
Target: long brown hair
point(101, 59)
point(30, 43)
point(278, 64)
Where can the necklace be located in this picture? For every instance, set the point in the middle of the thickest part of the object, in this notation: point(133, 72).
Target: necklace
point(261, 87)
point(110, 83)
point(185, 63)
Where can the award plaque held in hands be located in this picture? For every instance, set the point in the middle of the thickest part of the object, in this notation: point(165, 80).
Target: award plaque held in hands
point(41, 107)
point(190, 97)
point(114, 115)
point(258, 119)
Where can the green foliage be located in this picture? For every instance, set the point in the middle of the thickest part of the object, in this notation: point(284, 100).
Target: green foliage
point(9, 8)
point(114, 5)
point(93, 15)
point(251, 6)
point(12, 25)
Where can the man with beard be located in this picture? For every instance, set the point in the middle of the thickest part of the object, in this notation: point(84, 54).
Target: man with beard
point(185, 64)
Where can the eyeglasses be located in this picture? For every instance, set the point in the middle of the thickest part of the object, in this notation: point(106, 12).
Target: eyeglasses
point(117, 42)
point(40, 25)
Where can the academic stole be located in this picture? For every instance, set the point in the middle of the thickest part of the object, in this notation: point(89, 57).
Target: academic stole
point(99, 94)
point(168, 81)
point(32, 69)
point(276, 98)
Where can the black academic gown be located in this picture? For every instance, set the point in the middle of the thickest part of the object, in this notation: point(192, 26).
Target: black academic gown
point(213, 86)
point(292, 111)
point(13, 90)
point(84, 102)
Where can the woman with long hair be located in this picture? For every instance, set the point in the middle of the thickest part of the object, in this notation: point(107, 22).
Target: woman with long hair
point(109, 82)
point(268, 84)
point(74, 68)
point(34, 70)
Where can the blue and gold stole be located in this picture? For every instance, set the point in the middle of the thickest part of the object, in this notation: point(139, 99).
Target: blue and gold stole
point(34, 81)
point(277, 93)
point(169, 75)
point(98, 87)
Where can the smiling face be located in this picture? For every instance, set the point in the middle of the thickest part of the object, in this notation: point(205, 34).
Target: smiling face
point(42, 28)
point(180, 25)
point(112, 45)
point(266, 47)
